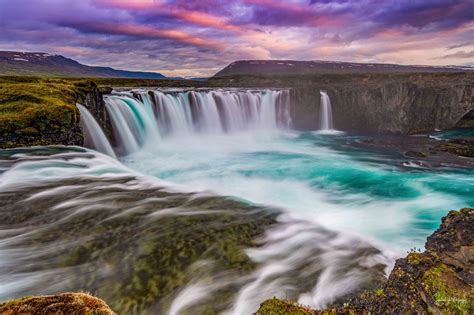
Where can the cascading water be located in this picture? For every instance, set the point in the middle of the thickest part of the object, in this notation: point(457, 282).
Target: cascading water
point(94, 137)
point(309, 220)
point(154, 114)
point(325, 112)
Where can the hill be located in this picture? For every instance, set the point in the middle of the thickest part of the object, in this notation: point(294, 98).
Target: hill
point(43, 64)
point(293, 67)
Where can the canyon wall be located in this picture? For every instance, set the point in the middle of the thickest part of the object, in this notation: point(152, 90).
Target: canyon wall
point(35, 111)
point(392, 106)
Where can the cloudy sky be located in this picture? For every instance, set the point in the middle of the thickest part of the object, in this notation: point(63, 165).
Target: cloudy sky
point(197, 38)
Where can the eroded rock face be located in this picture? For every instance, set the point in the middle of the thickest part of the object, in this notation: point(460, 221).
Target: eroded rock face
point(392, 105)
point(65, 303)
point(437, 281)
point(94, 101)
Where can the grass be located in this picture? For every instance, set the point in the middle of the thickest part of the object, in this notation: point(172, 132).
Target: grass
point(449, 299)
point(33, 110)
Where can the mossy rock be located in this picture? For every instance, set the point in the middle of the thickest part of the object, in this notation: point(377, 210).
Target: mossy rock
point(65, 303)
point(281, 307)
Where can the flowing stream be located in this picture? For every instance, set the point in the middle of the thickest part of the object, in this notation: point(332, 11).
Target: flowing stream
point(318, 218)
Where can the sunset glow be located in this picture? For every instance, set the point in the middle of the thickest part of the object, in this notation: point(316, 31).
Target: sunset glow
point(197, 38)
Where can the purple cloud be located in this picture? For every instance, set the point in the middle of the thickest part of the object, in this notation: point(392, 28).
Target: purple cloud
point(186, 37)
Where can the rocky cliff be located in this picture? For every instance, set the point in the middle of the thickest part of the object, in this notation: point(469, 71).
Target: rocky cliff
point(404, 104)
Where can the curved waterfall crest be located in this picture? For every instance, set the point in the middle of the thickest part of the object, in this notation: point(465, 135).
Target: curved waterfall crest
point(143, 116)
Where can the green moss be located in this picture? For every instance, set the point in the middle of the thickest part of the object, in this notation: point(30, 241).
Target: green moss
point(379, 292)
point(37, 111)
point(276, 306)
point(448, 298)
point(414, 258)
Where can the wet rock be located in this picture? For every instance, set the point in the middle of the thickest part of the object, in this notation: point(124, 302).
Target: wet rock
point(415, 154)
point(462, 147)
point(65, 303)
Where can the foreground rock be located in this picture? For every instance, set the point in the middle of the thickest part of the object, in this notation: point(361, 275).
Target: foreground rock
point(437, 281)
point(66, 303)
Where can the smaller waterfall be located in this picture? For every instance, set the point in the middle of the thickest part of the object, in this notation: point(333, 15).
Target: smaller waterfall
point(325, 112)
point(94, 137)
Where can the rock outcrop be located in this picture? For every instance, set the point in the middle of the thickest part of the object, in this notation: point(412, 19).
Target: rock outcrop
point(437, 281)
point(93, 99)
point(65, 303)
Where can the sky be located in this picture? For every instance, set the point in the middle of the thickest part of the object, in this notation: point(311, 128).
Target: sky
point(198, 38)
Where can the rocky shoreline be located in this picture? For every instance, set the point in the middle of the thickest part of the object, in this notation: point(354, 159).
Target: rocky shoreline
point(439, 280)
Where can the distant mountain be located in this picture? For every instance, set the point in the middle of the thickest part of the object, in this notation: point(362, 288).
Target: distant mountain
point(289, 67)
point(183, 78)
point(43, 64)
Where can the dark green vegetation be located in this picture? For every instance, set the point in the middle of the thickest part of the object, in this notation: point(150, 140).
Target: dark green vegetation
point(437, 281)
point(132, 246)
point(65, 303)
point(41, 64)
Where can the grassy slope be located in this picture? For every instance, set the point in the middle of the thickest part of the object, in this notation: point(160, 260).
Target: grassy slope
point(28, 108)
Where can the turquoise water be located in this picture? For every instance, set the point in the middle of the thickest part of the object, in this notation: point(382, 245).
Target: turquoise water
point(316, 177)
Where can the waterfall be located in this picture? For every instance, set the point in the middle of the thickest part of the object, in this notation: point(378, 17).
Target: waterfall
point(142, 117)
point(132, 125)
point(325, 112)
point(94, 137)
